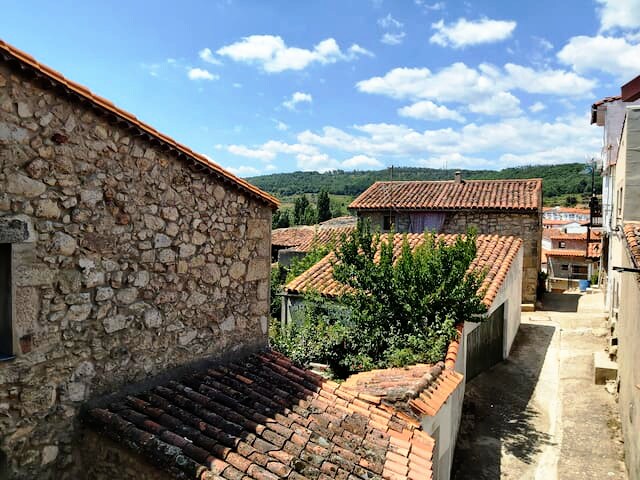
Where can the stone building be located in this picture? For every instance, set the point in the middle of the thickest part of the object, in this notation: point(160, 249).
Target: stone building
point(123, 255)
point(503, 207)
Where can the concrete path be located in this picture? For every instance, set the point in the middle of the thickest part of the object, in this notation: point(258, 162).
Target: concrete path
point(538, 414)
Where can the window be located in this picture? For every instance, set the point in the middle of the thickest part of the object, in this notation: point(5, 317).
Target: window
point(564, 268)
point(388, 222)
point(579, 269)
point(563, 245)
point(6, 322)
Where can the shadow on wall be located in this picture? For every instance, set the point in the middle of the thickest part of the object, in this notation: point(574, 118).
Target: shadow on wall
point(496, 412)
point(560, 302)
point(4, 466)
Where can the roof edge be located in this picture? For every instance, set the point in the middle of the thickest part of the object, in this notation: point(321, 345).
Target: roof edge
point(104, 104)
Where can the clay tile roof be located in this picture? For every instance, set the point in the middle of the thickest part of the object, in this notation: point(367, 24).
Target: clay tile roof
point(594, 250)
point(265, 419)
point(303, 239)
point(8, 52)
point(607, 100)
point(555, 234)
point(448, 195)
point(581, 211)
point(564, 252)
point(632, 235)
point(494, 255)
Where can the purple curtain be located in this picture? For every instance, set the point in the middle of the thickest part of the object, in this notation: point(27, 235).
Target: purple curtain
point(426, 221)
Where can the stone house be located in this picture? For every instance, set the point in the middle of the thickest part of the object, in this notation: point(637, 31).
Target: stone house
point(503, 207)
point(290, 243)
point(620, 117)
point(123, 255)
point(481, 345)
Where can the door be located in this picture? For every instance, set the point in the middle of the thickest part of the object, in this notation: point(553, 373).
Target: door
point(485, 344)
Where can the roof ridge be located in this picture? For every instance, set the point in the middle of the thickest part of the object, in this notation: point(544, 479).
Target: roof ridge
point(101, 102)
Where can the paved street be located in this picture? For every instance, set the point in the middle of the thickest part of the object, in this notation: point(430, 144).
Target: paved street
point(538, 415)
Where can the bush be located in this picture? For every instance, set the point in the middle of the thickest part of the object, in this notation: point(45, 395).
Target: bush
point(402, 311)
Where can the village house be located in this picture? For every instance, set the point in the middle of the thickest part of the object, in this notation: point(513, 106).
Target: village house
point(123, 255)
point(569, 219)
point(567, 258)
point(290, 243)
point(504, 207)
point(481, 345)
point(620, 117)
point(134, 295)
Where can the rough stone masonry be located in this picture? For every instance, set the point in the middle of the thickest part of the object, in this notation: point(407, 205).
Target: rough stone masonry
point(126, 262)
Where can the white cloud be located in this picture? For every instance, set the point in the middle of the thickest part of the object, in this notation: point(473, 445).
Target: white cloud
point(207, 55)
point(259, 154)
point(273, 55)
point(281, 125)
point(270, 150)
point(623, 14)
point(361, 162)
point(393, 38)
point(296, 98)
point(201, 74)
point(455, 160)
point(537, 107)
point(518, 137)
point(502, 104)
point(244, 171)
point(471, 32)
point(614, 55)
point(427, 110)
point(389, 22)
point(430, 7)
point(460, 83)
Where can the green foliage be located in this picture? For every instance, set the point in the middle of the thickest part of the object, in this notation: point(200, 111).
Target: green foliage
point(401, 312)
point(281, 219)
point(558, 180)
point(324, 206)
point(277, 276)
point(570, 201)
point(303, 211)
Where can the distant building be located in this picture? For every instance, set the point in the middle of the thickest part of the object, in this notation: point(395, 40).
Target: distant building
point(620, 117)
point(504, 207)
point(569, 258)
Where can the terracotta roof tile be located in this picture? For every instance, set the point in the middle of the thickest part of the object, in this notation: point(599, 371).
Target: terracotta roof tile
point(448, 195)
point(564, 252)
point(607, 100)
point(632, 235)
point(555, 234)
point(290, 237)
point(303, 239)
point(494, 254)
point(263, 418)
point(580, 211)
point(11, 52)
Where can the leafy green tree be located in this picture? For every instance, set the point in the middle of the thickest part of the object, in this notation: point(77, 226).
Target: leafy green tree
point(300, 209)
point(281, 219)
point(324, 206)
point(571, 201)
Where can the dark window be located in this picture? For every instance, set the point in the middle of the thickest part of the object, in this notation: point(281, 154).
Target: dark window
point(563, 244)
point(6, 325)
point(580, 269)
point(565, 268)
point(388, 222)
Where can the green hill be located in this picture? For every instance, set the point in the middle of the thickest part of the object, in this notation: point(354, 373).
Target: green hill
point(559, 181)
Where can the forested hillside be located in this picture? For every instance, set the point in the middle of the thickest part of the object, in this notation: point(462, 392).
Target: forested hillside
point(558, 180)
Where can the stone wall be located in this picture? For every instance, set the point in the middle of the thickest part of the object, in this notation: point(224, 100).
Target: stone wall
point(135, 263)
point(527, 226)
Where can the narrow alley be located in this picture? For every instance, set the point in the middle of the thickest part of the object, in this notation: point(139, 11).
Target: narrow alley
point(538, 414)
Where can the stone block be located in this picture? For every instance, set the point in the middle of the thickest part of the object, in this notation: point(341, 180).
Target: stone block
point(603, 368)
point(13, 230)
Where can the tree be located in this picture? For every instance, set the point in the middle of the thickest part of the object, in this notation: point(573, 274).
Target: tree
point(281, 219)
point(300, 207)
point(570, 201)
point(324, 206)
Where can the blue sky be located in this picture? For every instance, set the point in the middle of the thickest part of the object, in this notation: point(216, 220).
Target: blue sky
point(275, 86)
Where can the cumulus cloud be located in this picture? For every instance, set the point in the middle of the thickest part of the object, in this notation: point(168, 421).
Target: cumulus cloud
point(614, 55)
point(361, 162)
point(389, 22)
point(244, 170)
point(393, 38)
point(273, 55)
point(502, 104)
point(537, 107)
point(206, 55)
point(465, 32)
point(201, 74)
point(461, 83)
point(624, 14)
point(427, 110)
point(296, 98)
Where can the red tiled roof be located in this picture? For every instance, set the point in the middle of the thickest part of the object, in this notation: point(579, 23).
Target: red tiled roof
point(594, 250)
point(265, 419)
point(581, 211)
point(303, 239)
point(607, 100)
point(632, 235)
point(558, 235)
point(449, 195)
point(494, 253)
point(9, 52)
point(290, 237)
point(564, 252)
